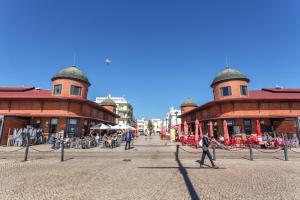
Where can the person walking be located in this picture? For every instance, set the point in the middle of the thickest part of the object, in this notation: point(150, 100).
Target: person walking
point(205, 151)
point(128, 138)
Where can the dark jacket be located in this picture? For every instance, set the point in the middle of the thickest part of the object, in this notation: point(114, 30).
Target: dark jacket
point(128, 137)
point(206, 143)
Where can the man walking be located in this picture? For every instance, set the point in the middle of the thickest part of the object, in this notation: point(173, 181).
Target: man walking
point(205, 144)
point(128, 138)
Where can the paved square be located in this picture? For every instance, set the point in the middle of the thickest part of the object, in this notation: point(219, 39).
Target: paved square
point(149, 171)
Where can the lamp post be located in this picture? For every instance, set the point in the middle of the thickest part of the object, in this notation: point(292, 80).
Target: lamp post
point(167, 123)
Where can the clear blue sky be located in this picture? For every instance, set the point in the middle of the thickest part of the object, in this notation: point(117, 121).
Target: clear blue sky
point(161, 51)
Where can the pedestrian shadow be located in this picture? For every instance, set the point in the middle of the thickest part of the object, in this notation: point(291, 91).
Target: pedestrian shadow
point(192, 192)
point(68, 159)
point(278, 158)
point(208, 166)
point(187, 180)
point(246, 158)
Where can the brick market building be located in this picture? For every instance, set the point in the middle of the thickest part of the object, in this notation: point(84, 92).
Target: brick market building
point(277, 110)
point(64, 107)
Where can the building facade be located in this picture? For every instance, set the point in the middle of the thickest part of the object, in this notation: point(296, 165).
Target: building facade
point(123, 108)
point(64, 107)
point(157, 123)
point(276, 110)
point(142, 125)
point(172, 118)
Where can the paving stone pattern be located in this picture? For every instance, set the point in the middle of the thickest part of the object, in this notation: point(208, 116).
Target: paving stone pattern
point(143, 173)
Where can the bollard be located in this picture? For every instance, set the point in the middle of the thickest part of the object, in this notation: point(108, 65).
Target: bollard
point(177, 152)
point(285, 153)
point(26, 152)
point(214, 152)
point(27, 147)
point(62, 144)
point(251, 153)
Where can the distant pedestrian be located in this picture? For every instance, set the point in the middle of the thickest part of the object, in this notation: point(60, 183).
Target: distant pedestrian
point(128, 138)
point(205, 144)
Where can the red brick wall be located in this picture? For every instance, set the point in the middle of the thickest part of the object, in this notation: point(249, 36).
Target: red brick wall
point(9, 124)
point(51, 108)
point(66, 87)
point(235, 89)
point(286, 126)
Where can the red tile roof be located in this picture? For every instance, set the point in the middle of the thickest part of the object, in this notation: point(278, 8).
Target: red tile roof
point(35, 93)
point(21, 92)
point(270, 93)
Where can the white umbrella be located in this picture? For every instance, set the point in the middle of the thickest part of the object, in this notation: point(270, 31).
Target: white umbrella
point(119, 127)
point(104, 127)
point(101, 127)
point(96, 126)
point(131, 128)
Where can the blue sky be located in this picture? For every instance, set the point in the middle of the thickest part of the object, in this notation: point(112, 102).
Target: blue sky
point(161, 51)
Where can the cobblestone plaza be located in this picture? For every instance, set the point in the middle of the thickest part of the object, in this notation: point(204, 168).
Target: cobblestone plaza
point(148, 171)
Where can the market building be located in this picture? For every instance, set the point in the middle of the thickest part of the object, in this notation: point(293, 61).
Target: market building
point(122, 107)
point(276, 110)
point(64, 107)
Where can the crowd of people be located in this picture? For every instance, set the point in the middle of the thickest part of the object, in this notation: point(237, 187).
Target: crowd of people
point(268, 140)
point(94, 139)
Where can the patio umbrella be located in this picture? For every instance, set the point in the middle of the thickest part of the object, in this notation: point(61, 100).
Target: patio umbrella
point(200, 130)
point(179, 130)
point(119, 127)
point(186, 129)
point(196, 130)
point(226, 134)
point(96, 127)
point(164, 131)
point(258, 130)
point(211, 130)
point(104, 127)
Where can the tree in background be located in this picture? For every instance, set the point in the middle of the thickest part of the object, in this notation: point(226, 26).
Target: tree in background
point(150, 127)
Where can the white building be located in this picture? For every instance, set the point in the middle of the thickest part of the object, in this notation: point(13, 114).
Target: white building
point(172, 117)
point(142, 125)
point(124, 109)
point(157, 123)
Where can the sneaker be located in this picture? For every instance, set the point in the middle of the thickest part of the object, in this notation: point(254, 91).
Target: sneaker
point(201, 166)
point(215, 167)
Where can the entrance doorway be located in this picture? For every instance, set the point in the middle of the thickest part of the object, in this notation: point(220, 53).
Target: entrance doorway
point(73, 127)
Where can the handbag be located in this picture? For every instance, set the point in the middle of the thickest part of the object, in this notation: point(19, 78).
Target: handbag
point(201, 143)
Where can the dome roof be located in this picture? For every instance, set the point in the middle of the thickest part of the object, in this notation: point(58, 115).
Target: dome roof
point(108, 102)
point(229, 74)
point(72, 73)
point(188, 102)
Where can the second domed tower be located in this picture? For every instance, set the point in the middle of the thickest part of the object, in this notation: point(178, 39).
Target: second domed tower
point(70, 82)
point(187, 105)
point(109, 104)
point(230, 83)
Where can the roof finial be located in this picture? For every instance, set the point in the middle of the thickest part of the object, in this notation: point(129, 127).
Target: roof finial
point(74, 60)
point(227, 66)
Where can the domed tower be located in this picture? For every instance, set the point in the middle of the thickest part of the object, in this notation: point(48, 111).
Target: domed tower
point(187, 105)
point(230, 83)
point(109, 104)
point(70, 82)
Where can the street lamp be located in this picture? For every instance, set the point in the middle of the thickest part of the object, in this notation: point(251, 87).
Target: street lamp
point(167, 123)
